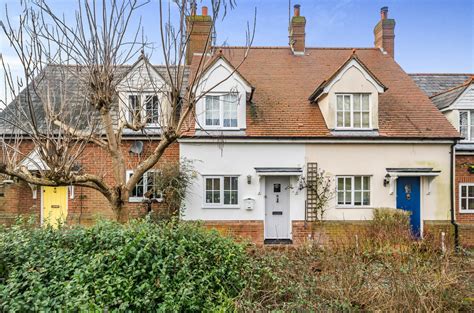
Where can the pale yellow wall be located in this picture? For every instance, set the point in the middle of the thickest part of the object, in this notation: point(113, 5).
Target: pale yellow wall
point(453, 117)
point(352, 81)
point(373, 159)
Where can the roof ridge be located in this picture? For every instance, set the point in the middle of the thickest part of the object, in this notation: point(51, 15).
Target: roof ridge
point(440, 74)
point(287, 47)
point(464, 84)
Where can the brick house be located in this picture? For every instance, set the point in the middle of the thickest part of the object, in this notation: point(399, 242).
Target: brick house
point(453, 95)
point(286, 113)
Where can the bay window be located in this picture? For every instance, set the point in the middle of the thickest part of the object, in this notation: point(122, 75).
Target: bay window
point(353, 191)
point(353, 111)
point(221, 191)
point(221, 111)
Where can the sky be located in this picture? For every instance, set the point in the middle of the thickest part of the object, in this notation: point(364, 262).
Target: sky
point(431, 35)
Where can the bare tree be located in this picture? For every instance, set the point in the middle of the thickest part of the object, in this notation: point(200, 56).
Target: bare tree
point(73, 97)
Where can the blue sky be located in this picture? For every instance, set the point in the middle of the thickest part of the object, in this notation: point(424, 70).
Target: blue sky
point(431, 35)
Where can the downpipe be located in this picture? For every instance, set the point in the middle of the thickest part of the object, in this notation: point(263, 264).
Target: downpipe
point(453, 198)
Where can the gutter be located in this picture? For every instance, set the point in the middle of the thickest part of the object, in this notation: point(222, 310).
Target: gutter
point(453, 205)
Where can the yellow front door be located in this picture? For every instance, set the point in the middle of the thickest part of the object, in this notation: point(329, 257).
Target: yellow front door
point(54, 205)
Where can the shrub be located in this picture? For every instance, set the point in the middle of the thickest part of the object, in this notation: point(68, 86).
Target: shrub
point(137, 267)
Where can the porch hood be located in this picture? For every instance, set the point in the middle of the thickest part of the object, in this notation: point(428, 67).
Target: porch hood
point(279, 171)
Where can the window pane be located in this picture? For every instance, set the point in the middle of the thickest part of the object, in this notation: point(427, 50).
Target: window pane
point(339, 103)
point(357, 120)
point(365, 102)
point(212, 111)
point(470, 204)
point(470, 191)
point(208, 183)
point(366, 198)
point(134, 106)
point(340, 119)
point(217, 183)
point(233, 197)
point(357, 198)
point(356, 102)
point(348, 198)
point(226, 197)
point(464, 132)
point(347, 119)
point(340, 183)
point(226, 183)
point(216, 197)
point(230, 110)
point(358, 183)
point(208, 196)
point(463, 118)
point(137, 191)
point(340, 197)
point(234, 183)
point(365, 120)
point(347, 103)
point(366, 183)
point(348, 183)
point(152, 107)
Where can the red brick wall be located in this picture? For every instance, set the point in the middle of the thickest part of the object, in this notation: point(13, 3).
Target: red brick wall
point(248, 230)
point(87, 204)
point(465, 220)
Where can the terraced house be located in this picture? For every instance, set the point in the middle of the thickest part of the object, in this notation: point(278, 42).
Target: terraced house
point(282, 119)
point(453, 95)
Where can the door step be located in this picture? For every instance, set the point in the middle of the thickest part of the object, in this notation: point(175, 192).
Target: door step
point(278, 242)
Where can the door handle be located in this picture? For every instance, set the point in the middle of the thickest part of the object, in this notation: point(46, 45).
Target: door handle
point(277, 198)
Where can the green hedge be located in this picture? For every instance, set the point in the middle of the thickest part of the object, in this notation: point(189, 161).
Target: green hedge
point(139, 266)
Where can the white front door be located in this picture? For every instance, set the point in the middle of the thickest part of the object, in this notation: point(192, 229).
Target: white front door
point(277, 207)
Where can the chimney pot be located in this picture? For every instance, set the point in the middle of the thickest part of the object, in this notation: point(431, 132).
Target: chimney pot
point(384, 13)
point(204, 11)
point(297, 9)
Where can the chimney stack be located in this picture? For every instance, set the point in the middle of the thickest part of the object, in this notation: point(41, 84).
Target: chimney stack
point(297, 32)
point(198, 32)
point(384, 33)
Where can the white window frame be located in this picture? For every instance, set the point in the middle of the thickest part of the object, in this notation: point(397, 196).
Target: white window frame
point(221, 186)
point(467, 185)
point(141, 98)
point(352, 204)
point(351, 95)
point(221, 111)
point(129, 173)
point(470, 136)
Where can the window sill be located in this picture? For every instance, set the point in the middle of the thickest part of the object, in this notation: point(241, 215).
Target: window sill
point(221, 207)
point(354, 207)
point(466, 211)
point(141, 200)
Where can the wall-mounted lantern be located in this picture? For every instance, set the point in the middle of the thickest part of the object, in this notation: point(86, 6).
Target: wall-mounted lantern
point(386, 180)
point(249, 179)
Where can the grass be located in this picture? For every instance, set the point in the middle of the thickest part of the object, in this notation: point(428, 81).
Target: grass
point(385, 271)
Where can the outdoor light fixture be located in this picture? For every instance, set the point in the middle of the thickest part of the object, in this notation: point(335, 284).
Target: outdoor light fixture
point(249, 179)
point(386, 180)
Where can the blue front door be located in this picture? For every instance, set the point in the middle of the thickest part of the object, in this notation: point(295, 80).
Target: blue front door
point(408, 199)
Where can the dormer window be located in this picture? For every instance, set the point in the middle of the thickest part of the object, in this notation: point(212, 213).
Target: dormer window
point(144, 106)
point(353, 111)
point(221, 111)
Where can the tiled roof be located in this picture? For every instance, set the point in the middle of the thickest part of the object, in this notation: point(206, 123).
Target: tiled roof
point(445, 99)
point(283, 82)
point(435, 83)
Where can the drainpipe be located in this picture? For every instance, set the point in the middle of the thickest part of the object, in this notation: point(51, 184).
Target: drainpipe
point(453, 198)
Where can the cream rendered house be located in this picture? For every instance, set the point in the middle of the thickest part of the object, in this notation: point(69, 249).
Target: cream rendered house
point(287, 112)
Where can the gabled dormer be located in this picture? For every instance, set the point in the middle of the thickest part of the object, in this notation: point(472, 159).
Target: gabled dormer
point(349, 98)
point(143, 95)
point(222, 97)
point(457, 104)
